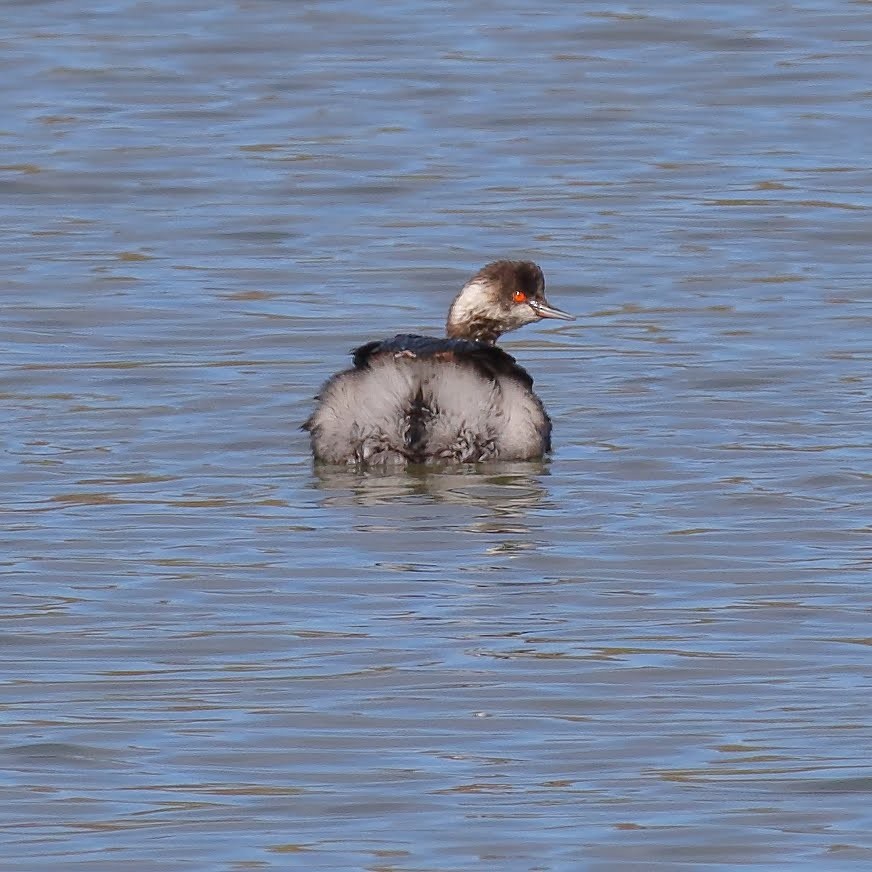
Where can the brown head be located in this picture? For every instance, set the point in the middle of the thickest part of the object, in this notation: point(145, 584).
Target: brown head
point(502, 296)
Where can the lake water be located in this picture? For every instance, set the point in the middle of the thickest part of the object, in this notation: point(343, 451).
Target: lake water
point(650, 652)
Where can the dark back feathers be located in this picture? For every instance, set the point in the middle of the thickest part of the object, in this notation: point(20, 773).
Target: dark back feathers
point(489, 360)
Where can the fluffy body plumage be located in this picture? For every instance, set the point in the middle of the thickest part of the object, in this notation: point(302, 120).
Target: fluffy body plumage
point(417, 399)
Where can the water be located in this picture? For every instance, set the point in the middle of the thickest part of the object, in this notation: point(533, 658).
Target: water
point(650, 652)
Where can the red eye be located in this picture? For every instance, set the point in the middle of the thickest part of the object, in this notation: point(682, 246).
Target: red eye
point(519, 297)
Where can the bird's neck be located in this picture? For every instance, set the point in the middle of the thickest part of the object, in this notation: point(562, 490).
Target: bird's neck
point(470, 315)
point(476, 330)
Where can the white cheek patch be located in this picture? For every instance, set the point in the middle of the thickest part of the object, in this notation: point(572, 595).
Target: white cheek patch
point(474, 300)
point(524, 314)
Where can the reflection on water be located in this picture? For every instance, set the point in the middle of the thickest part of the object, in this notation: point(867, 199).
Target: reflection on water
point(505, 489)
point(649, 651)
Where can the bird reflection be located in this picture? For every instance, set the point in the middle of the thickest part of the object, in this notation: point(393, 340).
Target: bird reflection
point(507, 490)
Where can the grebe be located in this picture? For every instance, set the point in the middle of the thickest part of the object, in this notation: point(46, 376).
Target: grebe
point(419, 399)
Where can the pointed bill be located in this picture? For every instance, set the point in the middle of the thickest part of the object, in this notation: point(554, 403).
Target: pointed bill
point(543, 310)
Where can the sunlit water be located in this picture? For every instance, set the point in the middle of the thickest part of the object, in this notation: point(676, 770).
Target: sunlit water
point(650, 652)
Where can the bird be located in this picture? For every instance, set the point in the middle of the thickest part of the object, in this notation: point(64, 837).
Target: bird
point(458, 399)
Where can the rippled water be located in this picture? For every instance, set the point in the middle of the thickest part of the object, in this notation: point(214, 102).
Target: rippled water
point(651, 652)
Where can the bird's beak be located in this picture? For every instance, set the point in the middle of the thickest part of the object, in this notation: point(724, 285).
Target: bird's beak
point(543, 310)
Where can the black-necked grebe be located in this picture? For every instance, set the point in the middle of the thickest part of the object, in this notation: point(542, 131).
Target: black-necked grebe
point(417, 399)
